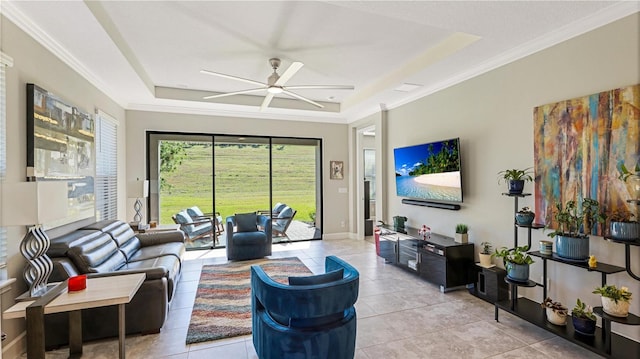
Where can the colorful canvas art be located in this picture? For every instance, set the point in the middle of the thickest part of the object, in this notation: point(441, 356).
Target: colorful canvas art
point(579, 145)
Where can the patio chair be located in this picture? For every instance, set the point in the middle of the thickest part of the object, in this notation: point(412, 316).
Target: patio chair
point(195, 229)
point(275, 211)
point(196, 213)
point(282, 221)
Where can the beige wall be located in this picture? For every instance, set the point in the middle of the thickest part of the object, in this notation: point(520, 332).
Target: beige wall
point(492, 115)
point(34, 64)
point(334, 145)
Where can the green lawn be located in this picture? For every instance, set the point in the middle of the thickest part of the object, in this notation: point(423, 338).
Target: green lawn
point(242, 180)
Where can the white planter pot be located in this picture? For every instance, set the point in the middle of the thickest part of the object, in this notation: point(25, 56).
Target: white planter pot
point(555, 317)
point(462, 237)
point(485, 260)
point(619, 309)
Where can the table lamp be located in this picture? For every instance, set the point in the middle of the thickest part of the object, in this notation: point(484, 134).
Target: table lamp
point(138, 189)
point(34, 204)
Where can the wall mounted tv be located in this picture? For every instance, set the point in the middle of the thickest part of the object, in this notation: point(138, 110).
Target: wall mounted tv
point(430, 171)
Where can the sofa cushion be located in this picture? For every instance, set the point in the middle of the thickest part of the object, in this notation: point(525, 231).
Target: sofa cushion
point(121, 233)
point(249, 239)
point(170, 264)
point(168, 249)
point(246, 222)
point(59, 246)
point(96, 254)
point(185, 220)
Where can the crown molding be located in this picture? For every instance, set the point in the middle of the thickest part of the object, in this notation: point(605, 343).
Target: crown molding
point(6, 59)
point(11, 12)
point(613, 13)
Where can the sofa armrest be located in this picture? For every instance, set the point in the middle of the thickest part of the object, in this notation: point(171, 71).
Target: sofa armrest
point(152, 273)
point(156, 238)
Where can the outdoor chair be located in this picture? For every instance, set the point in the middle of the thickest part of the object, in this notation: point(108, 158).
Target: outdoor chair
point(282, 221)
point(248, 236)
point(195, 228)
point(275, 211)
point(196, 213)
point(311, 317)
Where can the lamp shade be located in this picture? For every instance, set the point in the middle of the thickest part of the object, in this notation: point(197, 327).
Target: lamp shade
point(34, 203)
point(138, 189)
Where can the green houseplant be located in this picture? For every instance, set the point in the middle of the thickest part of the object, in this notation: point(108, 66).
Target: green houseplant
point(485, 254)
point(584, 321)
point(614, 301)
point(632, 178)
point(556, 311)
point(574, 222)
point(515, 179)
point(461, 233)
point(516, 262)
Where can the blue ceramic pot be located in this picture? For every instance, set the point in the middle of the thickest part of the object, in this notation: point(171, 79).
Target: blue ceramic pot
point(517, 272)
point(573, 248)
point(624, 231)
point(525, 219)
point(584, 326)
point(516, 186)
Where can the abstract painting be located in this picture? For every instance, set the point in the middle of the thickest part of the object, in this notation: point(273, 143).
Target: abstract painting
point(579, 144)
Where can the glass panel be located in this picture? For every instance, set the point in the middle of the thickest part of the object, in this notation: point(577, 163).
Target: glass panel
point(295, 165)
point(370, 175)
point(241, 174)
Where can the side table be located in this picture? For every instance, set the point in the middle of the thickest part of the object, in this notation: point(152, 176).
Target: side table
point(100, 292)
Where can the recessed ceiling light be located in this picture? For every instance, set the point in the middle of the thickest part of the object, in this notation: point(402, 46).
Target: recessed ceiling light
point(405, 87)
point(331, 98)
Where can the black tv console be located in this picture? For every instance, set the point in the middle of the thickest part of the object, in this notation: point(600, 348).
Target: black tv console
point(438, 259)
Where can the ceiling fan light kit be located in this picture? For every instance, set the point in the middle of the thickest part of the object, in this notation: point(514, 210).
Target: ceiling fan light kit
point(275, 84)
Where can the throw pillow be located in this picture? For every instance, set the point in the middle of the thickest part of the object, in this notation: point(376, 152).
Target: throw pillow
point(246, 222)
point(332, 276)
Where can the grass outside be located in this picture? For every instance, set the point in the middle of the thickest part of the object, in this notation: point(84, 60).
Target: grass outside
point(242, 180)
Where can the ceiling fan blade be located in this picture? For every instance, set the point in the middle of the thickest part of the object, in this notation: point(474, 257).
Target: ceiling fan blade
point(321, 87)
point(302, 98)
point(267, 101)
point(234, 93)
point(207, 72)
point(288, 74)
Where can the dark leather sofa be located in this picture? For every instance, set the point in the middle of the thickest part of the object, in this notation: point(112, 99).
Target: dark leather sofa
point(111, 248)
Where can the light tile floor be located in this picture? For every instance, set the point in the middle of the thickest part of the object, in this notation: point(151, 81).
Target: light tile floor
point(399, 316)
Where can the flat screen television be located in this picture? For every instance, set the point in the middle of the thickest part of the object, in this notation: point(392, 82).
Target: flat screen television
point(430, 171)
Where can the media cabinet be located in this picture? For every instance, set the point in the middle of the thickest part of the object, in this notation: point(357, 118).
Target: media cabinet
point(438, 259)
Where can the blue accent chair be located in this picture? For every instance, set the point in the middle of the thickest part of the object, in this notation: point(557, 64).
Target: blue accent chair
point(311, 321)
point(248, 240)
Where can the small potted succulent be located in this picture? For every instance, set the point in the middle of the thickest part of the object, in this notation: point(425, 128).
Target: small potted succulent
point(515, 179)
point(556, 312)
point(615, 301)
point(584, 321)
point(516, 262)
point(575, 222)
point(461, 233)
point(485, 254)
point(622, 227)
point(632, 178)
point(524, 217)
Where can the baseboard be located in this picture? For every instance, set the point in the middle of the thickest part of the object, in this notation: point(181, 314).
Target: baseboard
point(343, 235)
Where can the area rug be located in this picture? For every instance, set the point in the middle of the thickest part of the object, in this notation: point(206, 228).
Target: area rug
point(222, 308)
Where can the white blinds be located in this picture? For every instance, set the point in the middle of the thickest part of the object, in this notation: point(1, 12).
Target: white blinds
point(4, 62)
point(106, 167)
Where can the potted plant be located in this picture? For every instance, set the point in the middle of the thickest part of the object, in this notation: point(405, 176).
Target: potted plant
point(573, 222)
point(461, 233)
point(516, 262)
point(632, 178)
point(584, 321)
point(515, 178)
point(556, 312)
point(524, 217)
point(622, 226)
point(615, 301)
point(485, 254)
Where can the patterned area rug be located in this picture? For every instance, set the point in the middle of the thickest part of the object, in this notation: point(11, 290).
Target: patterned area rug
point(222, 308)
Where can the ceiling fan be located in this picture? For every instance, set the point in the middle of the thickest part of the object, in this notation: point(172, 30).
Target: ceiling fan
point(275, 84)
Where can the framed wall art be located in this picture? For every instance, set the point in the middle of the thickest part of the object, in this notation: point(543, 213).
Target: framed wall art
point(337, 170)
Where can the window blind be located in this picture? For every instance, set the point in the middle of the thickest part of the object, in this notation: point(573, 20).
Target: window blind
point(106, 167)
point(5, 61)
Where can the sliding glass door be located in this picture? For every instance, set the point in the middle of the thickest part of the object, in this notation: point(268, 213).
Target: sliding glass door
point(223, 175)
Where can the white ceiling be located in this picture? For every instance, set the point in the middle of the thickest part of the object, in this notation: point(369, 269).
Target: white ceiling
point(147, 54)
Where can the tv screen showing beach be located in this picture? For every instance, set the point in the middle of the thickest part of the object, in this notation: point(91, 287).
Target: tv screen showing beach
point(430, 171)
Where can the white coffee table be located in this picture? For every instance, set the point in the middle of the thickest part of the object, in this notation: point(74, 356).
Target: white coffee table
point(100, 292)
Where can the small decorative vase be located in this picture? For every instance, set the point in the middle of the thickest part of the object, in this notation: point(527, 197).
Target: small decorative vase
point(584, 326)
point(485, 260)
point(517, 272)
point(573, 248)
point(516, 186)
point(555, 317)
point(619, 309)
point(624, 231)
point(525, 218)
